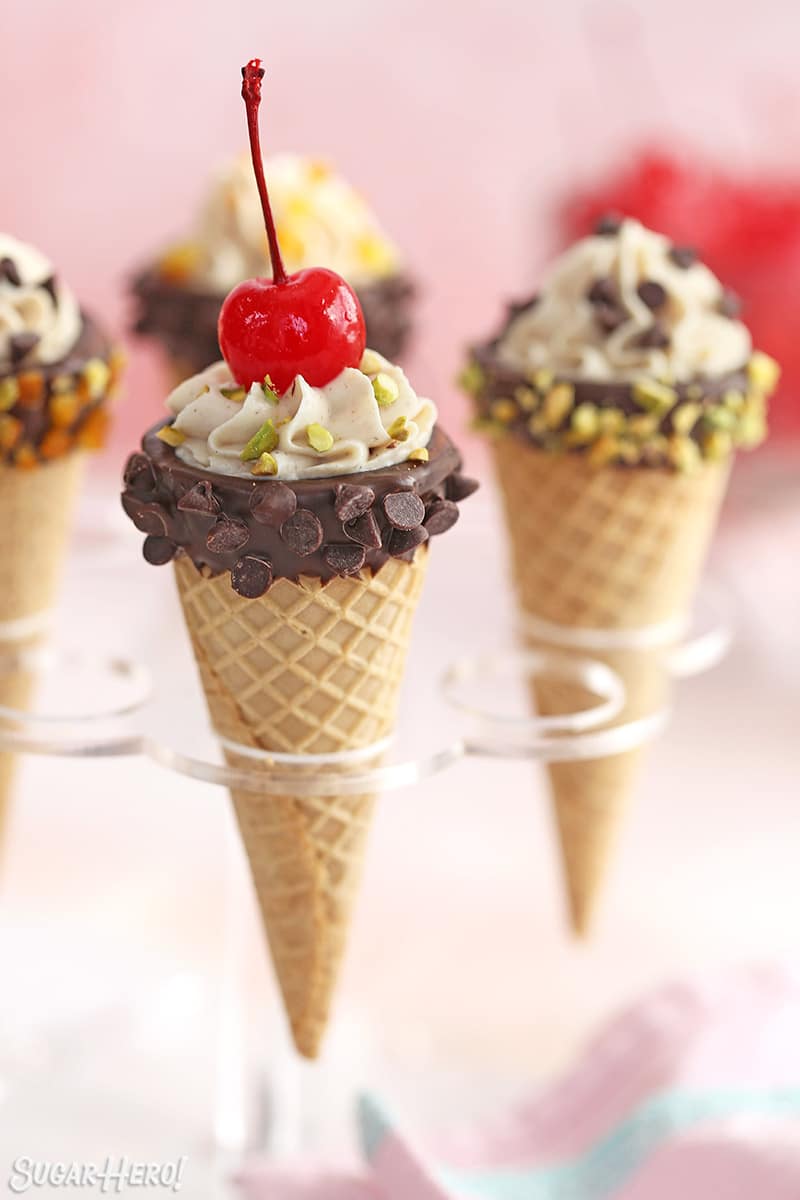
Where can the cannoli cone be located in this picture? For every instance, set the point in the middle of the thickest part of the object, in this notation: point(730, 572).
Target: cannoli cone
point(614, 549)
point(37, 506)
point(307, 668)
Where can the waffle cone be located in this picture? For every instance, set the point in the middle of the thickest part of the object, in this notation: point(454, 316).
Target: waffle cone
point(610, 549)
point(37, 507)
point(305, 669)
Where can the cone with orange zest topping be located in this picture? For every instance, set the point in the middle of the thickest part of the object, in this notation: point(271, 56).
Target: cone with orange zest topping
point(57, 371)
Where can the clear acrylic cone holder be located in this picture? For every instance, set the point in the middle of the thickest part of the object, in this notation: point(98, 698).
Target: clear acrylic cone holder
point(100, 706)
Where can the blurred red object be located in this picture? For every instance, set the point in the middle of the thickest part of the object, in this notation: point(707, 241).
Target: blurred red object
point(747, 231)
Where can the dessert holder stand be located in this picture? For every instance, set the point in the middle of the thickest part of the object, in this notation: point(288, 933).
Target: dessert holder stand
point(102, 706)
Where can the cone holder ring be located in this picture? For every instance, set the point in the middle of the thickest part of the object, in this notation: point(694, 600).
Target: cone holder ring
point(113, 730)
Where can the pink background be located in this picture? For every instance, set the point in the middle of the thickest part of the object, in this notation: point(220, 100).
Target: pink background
point(461, 121)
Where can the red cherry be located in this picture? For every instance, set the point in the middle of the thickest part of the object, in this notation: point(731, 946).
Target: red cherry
point(308, 324)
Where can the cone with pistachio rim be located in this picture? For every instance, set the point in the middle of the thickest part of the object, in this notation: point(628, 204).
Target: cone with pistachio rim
point(615, 401)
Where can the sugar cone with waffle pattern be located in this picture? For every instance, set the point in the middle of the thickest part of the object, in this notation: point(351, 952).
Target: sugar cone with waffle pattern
point(307, 668)
point(611, 549)
point(37, 506)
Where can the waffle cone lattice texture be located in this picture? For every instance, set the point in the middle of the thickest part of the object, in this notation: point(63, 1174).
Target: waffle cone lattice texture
point(37, 506)
point(608, 549)
point(305, 669)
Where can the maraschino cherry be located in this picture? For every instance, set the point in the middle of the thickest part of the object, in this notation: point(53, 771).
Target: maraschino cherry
point(309, 323)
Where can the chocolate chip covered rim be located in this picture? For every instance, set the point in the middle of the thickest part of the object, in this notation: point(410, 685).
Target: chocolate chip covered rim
point(639, 410)
point(261, 530)
point(184, 317)
point(48, 409)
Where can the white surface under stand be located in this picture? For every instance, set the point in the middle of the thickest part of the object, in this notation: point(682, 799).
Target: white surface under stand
point(95, 706)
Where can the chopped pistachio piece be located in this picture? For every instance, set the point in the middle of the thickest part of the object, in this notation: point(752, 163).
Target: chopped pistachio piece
point(172, 436)
point(96, 373)
point(557, 404)
point(385, 389)
point(543, 379)
point(371, 363)
point(654, 397)
point(397, 430)
point(611, 420)
point(643, 425)
point(8, 393)
point(265, 464)
point(694, 392)
point(683, 453)
point(720, 418)
point(419, 455)
point(763, 372)
point(752, 429)
point(234, 393)
point(585, 423)
point(471, 379)
point(504, 410)
point(733, 399)
point(262, 441)
point(268, 388)
point(526, 398)
point(685, 417)
point(319, 438)
point(717, 444)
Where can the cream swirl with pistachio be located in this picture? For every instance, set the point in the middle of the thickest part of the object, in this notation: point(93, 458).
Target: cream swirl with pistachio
point(624, 307)
point(364, 419)
point(40, 320)
point(321, 220)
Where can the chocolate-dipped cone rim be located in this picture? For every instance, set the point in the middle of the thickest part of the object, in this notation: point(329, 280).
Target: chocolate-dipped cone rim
point(183, 315)
point(261, 530)
point(638, 422)
point(49, 409)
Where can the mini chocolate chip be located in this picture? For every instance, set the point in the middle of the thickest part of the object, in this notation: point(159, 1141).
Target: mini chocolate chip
point(608, 226)
point(272, 503)
point(654, 338)
point(365, 531)
point(441, 516)
point(10, 272)
point(609, 317)
point(352, 501)
point(404, 510)
point(158, 550)
point(200, 499)
point(20, 344)
point(148, 518)
point(603, 291)
point(404, 540)
point(251, 576)
point(138, 474)
point(461, 486)
point(683, 256)
point(651, 293)
point(302, 532)
point(730, 304)
point(227, 535)
point(49, 286)
point(344, 559)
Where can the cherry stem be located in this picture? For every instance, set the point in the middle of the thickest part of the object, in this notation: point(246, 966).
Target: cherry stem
point(252, 75)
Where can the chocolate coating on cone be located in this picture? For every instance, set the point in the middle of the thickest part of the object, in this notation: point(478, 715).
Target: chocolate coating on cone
point(293, 527)
point(184, 318)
